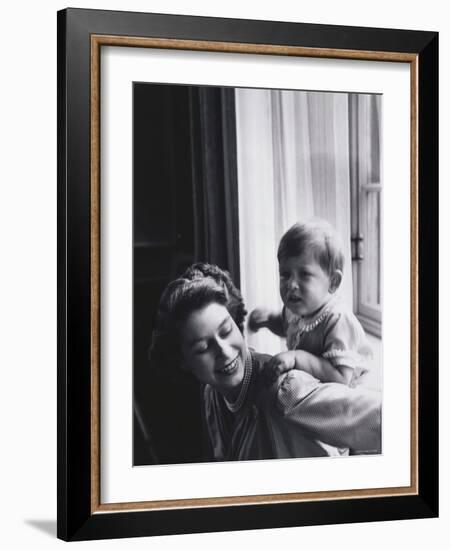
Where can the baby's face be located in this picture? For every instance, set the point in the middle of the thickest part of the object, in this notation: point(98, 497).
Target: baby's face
point(304, 285)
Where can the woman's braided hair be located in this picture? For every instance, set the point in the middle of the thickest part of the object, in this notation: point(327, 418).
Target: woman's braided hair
point(235, 302)
point(200, 285)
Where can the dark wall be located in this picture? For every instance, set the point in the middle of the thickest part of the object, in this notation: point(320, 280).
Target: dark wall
point(185, 210)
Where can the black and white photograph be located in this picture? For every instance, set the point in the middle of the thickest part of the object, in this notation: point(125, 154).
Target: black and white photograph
point(257, 274)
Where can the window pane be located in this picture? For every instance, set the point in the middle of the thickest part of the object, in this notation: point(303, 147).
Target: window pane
point(371, 272)
point(374, 139)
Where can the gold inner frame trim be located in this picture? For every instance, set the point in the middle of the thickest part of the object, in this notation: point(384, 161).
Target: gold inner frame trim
point(262, 49)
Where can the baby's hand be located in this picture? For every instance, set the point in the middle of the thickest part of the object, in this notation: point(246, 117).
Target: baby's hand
point(259, 318)
point(277, 365)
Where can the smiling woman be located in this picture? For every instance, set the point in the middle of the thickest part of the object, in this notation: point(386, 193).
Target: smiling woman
point(213, 349)
point(199, 327)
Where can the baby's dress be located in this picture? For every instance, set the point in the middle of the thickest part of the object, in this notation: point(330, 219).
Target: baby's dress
point(333, 333)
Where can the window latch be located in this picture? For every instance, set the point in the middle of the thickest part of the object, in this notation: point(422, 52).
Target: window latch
point(358, 247)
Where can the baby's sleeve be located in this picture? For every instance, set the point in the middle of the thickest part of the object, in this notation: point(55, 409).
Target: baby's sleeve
point(333, 413)
point(345, 343)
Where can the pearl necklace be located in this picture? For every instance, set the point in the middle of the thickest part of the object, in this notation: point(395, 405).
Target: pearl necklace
point(236, 405)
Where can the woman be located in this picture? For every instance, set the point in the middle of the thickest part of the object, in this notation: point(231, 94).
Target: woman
point(199, 326)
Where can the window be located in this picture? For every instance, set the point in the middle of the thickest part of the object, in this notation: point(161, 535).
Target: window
point(366, 211)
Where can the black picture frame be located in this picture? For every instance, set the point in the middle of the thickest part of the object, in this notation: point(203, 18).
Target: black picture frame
point(78, 518)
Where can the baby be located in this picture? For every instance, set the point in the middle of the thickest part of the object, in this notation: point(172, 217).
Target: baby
point(323, 336)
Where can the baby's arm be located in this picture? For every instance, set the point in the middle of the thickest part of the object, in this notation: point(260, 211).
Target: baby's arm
point(319, 367)
point(266, 318)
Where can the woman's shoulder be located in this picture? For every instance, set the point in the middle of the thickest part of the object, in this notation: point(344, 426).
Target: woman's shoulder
point(258, 361)
point(259, 358)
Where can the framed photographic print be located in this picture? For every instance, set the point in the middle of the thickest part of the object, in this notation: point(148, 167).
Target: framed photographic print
point(247, 257)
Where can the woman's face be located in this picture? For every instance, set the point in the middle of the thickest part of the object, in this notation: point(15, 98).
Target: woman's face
point(213, 349)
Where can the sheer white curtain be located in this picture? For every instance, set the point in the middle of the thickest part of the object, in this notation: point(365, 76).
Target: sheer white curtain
point(293, 164)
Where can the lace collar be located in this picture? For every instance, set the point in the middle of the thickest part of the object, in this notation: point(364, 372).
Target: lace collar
point(310, 322)
point(235, 406)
